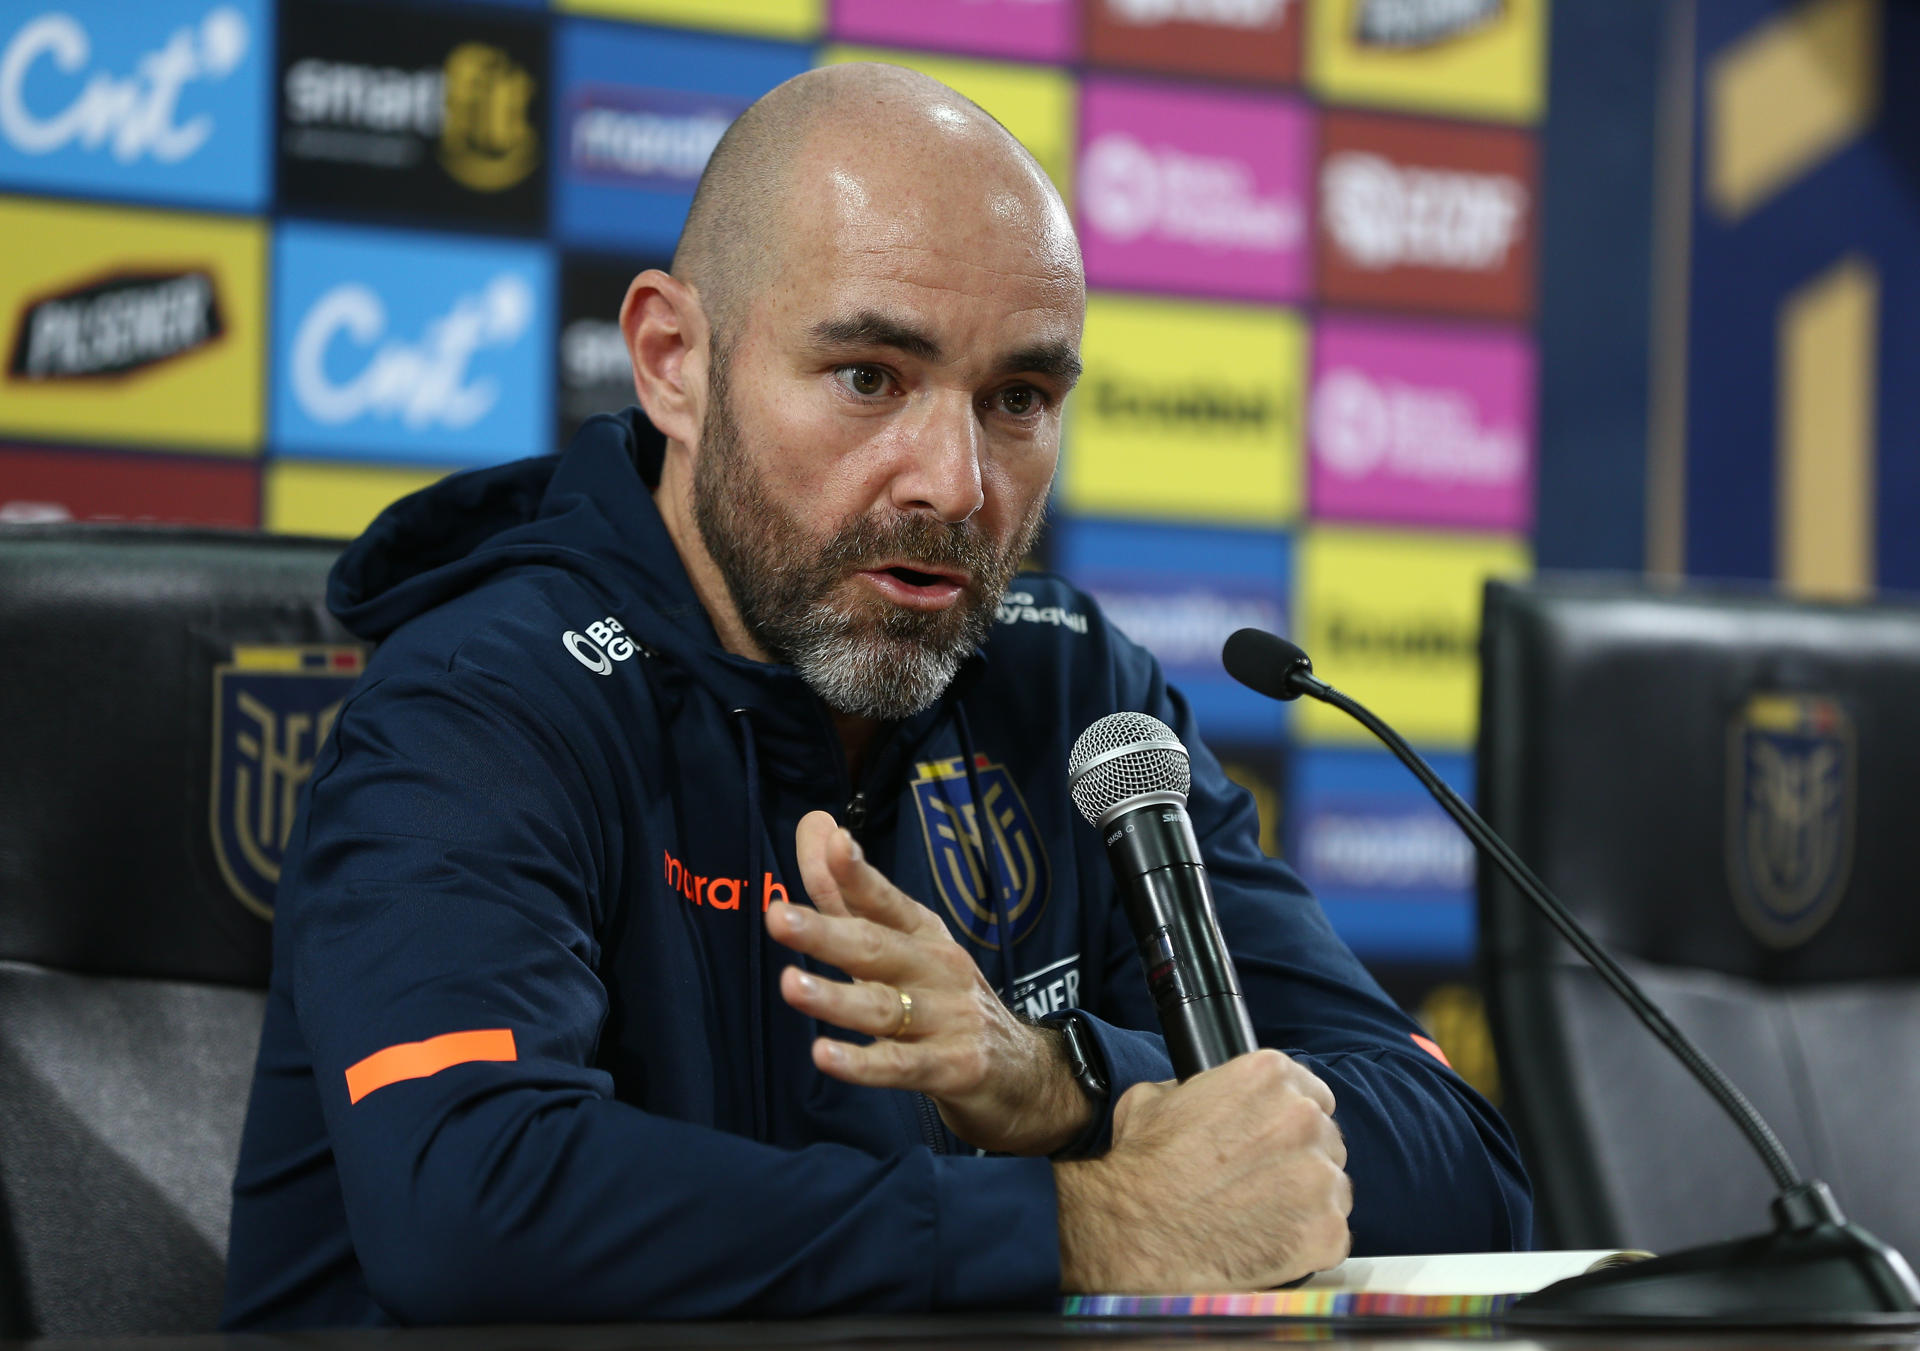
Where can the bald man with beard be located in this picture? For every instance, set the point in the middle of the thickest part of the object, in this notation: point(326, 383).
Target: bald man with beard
point(686, 917)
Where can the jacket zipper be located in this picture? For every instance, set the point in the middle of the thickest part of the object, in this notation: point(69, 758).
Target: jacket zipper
point(854, 818)
point(931, 1126)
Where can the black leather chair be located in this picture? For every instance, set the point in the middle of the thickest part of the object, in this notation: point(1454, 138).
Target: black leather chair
point(161, 695)
point(1721, 784)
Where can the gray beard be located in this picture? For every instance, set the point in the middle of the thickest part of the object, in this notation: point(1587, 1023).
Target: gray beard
point(866, 658)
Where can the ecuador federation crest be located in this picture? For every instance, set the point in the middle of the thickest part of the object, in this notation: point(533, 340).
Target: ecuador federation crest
point(272, 709)
point(981, 850)
point(1790, 813)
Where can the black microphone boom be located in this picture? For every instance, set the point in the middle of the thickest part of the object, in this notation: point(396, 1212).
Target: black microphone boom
point(1813, 1268)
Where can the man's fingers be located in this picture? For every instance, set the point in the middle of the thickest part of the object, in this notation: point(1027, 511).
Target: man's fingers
point(884, 1064)
point(1313, 1086)
point(858, 1006)
point(817, 840)
point(859, 947)
point(865, 890)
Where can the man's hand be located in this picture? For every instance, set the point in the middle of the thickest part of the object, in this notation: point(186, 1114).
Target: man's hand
point(1234, 1180)
point(1001, 1084)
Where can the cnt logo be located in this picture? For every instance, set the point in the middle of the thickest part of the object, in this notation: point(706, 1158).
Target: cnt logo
point(53, 97)
point(419, 383)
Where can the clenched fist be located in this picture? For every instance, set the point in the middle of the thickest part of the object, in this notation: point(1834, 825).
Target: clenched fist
point(1234, 1180)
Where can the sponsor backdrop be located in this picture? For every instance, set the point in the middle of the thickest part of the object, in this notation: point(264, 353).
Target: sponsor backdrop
point(277, 262)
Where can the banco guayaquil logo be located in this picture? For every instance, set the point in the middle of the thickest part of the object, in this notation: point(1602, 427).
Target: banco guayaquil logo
point(273, 706)
point(163, 99)
point(1791, 809)
point(981, 850)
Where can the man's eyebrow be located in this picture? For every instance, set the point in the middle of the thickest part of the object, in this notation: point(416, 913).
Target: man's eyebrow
point(870, 328)
point(1058, 359)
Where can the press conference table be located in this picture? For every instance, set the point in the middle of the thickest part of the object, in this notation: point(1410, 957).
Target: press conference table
point(1002, 1332)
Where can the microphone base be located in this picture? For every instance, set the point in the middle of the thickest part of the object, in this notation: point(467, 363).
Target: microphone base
point(1820, 1275)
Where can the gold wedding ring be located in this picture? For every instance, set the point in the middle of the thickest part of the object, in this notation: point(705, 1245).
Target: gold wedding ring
point(906, 1014)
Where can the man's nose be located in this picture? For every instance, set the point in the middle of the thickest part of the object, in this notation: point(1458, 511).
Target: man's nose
point(939, 468)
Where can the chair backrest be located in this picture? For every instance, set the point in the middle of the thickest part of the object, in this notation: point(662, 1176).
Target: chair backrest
point(1721, 785)
point(162, 693)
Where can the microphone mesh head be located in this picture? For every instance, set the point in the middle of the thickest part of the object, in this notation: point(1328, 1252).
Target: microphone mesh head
point(1136, 753)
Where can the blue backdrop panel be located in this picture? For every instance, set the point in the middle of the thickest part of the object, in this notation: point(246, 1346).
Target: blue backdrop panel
point(637, 111)
point(1179, 591)
point(161, 100)
point(1395, 875)
point(421, 348)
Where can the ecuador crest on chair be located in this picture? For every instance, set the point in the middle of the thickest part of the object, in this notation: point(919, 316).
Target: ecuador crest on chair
point(273, 706)
point(1790, 813)
point(978, 850)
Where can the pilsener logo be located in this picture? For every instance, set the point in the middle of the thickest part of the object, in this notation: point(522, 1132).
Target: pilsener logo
point(160, 98)
point(115, 326)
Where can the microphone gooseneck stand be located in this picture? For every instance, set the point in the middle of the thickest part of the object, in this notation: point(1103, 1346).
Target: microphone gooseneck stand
point(1813, 1268)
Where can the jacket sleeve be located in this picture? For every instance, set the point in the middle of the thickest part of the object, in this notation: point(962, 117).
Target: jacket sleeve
point(1434, 1168)
point(451, 881)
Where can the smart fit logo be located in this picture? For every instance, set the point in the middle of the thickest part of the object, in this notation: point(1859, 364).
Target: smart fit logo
point(722, 893)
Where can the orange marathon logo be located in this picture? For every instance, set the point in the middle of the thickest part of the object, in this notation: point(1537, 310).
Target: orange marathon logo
point(722, 893)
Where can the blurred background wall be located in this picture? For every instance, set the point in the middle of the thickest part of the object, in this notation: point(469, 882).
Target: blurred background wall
point(1387, 297)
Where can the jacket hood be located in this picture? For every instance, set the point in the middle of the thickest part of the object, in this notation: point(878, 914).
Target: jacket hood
point(589, 511)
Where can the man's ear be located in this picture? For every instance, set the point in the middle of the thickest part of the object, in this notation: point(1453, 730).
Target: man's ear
point(666, 333)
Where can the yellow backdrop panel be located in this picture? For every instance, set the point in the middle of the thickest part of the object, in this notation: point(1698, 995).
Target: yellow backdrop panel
point(1490, 62)
point(1393, 619)
point(1187, 412)
point(773, 18)
point(1035, 103)
point(208, 396)
point(300, 497)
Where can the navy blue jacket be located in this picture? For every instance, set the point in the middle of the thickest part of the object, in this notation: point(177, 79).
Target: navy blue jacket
point(538, 842)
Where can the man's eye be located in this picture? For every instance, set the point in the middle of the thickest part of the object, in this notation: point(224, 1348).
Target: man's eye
point(1020, 401)
point(866, 381)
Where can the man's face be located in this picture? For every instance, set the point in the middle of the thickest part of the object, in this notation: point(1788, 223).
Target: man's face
point(881, 432)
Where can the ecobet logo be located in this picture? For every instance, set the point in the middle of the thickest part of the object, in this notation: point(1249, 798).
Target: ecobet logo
point(1394, 619)
point(423, 382)
point(115, 326)
point(1383, 216)
point(129, 116)
point(473, 107)
point(1187, 412)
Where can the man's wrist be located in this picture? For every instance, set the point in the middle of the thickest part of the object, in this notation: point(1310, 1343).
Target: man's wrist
point(1085, 1066)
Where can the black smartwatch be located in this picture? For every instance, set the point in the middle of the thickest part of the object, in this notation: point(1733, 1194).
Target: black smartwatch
point(1084, 1062)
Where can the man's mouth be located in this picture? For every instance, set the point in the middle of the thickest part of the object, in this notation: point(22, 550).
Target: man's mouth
point(916, 587)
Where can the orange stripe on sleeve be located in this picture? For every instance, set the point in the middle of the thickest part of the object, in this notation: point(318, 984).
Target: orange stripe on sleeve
point(1426, 1044)
point(418, 1059)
